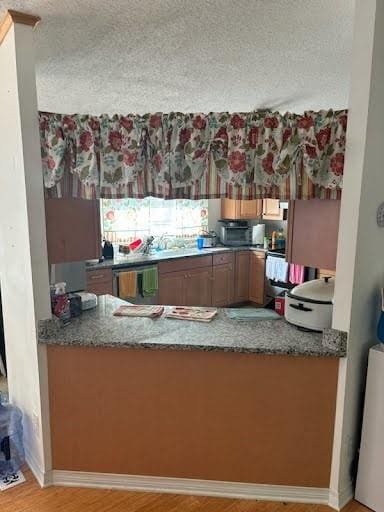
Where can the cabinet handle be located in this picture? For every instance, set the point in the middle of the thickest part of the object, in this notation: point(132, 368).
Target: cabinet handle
point(97, 277)
point(185, 276)
point(230, 267)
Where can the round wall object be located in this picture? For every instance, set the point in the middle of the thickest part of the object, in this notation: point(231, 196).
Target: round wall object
point(380, 216)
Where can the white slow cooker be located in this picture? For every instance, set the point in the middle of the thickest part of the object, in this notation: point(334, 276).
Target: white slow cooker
point(310, 305)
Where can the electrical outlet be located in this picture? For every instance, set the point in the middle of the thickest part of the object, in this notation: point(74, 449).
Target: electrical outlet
point(36, 424)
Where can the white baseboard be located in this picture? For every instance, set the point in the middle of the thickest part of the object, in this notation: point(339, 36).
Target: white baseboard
point(191, 487)
point(41, 476)
point(338, 500)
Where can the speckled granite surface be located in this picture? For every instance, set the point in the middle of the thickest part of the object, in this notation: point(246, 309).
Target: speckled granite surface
point(122, 261)
point(99, 327)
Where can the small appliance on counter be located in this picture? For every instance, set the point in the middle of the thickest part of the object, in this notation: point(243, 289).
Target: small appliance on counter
point(310, 305)
point(234, 232)
point(108, 250)
point(88, 300)
point(258, 234)
point(207, 240)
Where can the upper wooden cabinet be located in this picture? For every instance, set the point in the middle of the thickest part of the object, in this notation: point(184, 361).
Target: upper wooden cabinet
point(73, 230)
point(272, 210)
point(313, 228)
point(234, 209)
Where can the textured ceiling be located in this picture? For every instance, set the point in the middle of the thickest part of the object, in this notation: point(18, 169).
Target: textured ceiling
point(123, 56)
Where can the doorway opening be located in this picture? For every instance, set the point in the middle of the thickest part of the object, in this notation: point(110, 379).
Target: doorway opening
point(3, 360)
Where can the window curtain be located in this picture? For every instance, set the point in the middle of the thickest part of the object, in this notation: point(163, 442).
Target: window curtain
point(194, 156)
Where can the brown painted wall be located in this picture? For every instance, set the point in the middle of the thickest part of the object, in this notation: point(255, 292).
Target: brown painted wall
point(209, 415)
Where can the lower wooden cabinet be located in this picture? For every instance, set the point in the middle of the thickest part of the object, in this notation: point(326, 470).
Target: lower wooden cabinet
point(186, 288)
point(223, 285)
point(198, 287)
point(100, 281)
point(209, 285)
point(257, 277)
point(241, 280)
point(172, 288)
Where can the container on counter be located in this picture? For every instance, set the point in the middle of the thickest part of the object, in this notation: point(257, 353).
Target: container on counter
point(200, 242)
point(60, 302)
point(280, 305)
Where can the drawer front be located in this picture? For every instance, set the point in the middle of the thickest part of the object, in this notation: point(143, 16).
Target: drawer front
point(99, 276)
point(224, 258)
point(100, 288)
point(184, 264)
point(259, 254)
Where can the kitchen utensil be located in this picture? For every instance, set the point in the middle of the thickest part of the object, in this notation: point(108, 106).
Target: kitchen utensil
point(310, 305)
point(258, 233)
point(107, 250)
point(88, 300)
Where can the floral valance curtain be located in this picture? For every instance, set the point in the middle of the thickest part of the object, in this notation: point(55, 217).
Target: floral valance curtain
point(194, 156)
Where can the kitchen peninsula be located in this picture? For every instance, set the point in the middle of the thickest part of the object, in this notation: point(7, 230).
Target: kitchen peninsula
point(226, 401)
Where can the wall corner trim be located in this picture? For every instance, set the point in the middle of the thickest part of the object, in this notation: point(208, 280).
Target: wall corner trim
point(43, 478)
point(191, 486)
point(338, 500)
point(12, 17)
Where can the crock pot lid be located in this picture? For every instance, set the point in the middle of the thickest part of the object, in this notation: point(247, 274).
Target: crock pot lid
point(319, 289)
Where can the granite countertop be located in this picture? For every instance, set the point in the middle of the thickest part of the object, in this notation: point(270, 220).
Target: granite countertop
point(98, 327)
point(132, 260)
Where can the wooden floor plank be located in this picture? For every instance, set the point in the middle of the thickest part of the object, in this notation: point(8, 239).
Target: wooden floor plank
point(29, 497)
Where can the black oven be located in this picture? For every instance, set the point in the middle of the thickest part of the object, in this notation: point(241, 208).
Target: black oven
point(276, 288)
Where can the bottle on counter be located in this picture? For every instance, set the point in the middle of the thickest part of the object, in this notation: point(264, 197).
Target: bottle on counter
point(274, 238)
point(60, 302)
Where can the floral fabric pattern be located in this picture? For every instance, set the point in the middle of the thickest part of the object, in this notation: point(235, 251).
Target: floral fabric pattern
point(239, 155)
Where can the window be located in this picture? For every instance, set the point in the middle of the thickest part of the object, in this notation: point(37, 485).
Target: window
point(124, 220)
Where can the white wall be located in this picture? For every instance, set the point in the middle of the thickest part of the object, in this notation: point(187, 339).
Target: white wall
point(23, 252)
point(360, 264)
point(214, 213)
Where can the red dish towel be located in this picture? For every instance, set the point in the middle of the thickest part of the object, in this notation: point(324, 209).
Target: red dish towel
point(296, 273)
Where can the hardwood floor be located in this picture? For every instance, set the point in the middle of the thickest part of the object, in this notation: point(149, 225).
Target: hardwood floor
point(28, 497)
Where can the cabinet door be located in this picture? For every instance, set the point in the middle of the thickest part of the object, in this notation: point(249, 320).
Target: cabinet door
point(313, 228)
point(198, 287)
point(172, 288)
point(257, 277)
point(234, 209)
point(271, 210)
point(250, 209)
point(230, 209)
point(73, 230)
point(222, 285)
point(241, 293)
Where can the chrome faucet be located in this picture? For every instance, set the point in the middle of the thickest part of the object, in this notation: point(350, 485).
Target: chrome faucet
point(146, 249)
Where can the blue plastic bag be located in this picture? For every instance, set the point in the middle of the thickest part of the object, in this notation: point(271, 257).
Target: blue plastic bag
point(11, 440)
